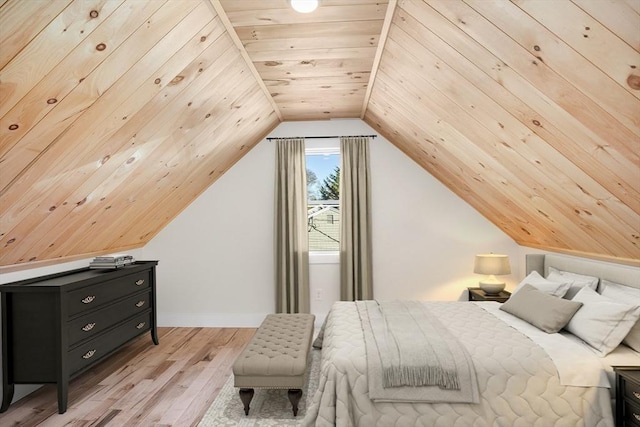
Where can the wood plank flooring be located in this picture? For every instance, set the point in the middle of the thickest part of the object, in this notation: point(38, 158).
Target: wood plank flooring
point(171, 384)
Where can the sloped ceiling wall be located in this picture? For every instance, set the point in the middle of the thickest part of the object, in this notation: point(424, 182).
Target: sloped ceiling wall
point(527, 109)
point(116, 114)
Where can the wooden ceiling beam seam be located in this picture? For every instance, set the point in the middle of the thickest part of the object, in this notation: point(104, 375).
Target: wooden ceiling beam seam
point(384, 34)
point(217, 8)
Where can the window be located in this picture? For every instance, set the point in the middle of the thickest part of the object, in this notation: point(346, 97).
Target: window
point(323, 195)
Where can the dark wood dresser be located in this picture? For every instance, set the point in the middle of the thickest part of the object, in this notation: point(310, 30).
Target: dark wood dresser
point(57, 326)
point(627, 396)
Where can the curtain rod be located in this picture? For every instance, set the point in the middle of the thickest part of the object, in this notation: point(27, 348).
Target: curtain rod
point(327, 137)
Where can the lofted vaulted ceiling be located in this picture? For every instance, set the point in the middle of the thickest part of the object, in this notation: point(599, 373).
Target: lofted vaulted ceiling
point(116, 114)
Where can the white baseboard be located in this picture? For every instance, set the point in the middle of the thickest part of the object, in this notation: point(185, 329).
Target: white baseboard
point(218, 320)
point(211, 320)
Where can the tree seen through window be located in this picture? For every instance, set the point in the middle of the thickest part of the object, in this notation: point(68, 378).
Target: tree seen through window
point(323, 201)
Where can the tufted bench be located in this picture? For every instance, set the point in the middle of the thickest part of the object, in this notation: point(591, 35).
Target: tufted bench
point(276, 357)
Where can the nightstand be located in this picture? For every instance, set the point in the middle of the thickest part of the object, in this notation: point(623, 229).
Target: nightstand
point(477, 294)
point(627, 396)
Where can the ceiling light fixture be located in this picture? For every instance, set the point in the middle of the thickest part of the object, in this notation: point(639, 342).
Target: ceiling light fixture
point(304, 6)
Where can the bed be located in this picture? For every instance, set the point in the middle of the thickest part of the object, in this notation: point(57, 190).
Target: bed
point(525, 376)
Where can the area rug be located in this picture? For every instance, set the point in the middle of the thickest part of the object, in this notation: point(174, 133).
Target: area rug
point(269, 408)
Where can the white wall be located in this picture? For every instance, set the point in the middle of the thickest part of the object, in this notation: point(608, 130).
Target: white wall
point(216, 258)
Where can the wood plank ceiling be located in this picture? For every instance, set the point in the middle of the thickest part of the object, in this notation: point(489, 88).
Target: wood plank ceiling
point(116, 114)
point(315, 65)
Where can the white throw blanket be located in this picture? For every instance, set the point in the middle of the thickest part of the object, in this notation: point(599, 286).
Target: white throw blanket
point(413, 357)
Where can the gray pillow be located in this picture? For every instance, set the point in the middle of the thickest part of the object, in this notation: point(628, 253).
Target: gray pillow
point(542, 310)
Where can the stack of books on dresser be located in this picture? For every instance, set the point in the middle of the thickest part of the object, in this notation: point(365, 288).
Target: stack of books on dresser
point(111, 262)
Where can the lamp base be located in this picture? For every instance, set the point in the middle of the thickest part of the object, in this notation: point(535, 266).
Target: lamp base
point(492, 288)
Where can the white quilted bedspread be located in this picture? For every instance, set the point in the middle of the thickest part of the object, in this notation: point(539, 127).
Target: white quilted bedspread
point(518, 381)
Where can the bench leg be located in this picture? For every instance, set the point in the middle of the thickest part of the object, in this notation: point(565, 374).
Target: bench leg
point(246, 394)
point(294, 397)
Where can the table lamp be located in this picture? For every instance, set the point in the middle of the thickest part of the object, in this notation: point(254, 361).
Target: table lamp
point(492, 265)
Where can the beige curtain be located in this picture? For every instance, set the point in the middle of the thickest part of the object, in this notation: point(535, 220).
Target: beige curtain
point(356, 282)
point(291, 238)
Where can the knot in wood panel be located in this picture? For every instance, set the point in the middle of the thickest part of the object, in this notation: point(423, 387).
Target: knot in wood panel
point(176, 80)
point(633, 81)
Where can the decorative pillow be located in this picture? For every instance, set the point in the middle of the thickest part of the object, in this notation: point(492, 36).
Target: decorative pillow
point(542, 310)
point(557, 289)
point(576, 281)
point(602, 322)
point(624, 294)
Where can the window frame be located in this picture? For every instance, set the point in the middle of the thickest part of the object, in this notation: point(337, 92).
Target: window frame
point(321, 147)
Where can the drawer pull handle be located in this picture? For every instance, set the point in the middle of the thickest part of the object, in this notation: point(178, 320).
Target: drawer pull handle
point(88, 327)
point(89, 354)
point(89, 299)
point(140, 303)
point(636, 394)
point(139, 282)
point(140, 325)
point(637, 417)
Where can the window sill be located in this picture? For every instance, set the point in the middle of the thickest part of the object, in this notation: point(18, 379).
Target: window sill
point(324, 257)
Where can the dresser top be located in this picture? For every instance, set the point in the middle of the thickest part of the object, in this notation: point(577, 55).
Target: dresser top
point(86, 275)
point(630, 372)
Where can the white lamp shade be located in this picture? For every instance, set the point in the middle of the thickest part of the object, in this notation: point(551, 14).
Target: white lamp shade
point(304, 6)
point(492, 264)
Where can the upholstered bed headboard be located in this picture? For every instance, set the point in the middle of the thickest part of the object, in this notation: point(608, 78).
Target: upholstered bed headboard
point(623, 274)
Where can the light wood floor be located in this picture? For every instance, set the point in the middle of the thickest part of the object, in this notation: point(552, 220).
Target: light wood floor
point(172, 384)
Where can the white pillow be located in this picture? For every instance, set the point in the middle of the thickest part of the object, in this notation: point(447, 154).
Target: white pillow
point(577, 281)
point(622, 293)
point(602, 322)
point(557, 289)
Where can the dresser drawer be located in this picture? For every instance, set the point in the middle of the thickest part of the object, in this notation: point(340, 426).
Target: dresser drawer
point(87, 353)
point(97, 321)
point(93, 296)
point(632, 392)
point(631, 414)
